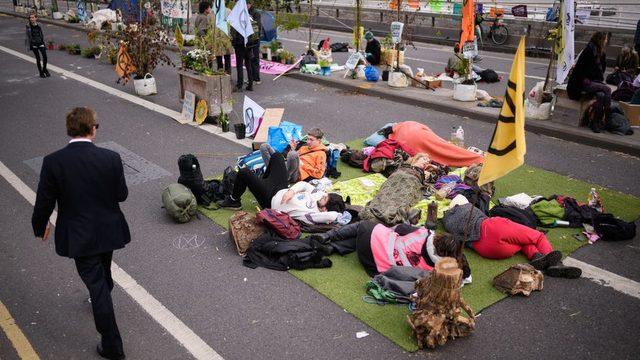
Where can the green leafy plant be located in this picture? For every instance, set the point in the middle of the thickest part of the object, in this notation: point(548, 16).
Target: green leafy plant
point(275, 46)
point(387, 42)
point(217, 42)
point(62, 47)
point(291, 21)
point(73, 49)
point(146, 44)
point(91, 52)
point(223, 120)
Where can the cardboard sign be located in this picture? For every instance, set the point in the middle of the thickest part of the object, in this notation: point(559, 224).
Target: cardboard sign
point(271, 117)
point(470, 49)
point(188, 106)
point(251, 114)
point(396, 31)
point(353, 60)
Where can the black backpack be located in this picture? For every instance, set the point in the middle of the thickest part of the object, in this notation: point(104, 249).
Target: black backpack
point(191, 177)
point(489, 76)
point(611, 228)
point(524, 217)
point(354, 158)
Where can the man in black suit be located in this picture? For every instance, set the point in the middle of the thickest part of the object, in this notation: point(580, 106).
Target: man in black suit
point(87, 182)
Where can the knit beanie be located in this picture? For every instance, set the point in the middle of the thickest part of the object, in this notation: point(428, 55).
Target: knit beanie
point(368, 35)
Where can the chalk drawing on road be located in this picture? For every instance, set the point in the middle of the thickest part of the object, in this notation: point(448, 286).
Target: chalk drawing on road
point(188, 241)
point(137, 170)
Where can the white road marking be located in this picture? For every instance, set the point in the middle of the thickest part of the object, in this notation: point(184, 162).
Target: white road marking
point(438, 62)
point(606, 278)
point(126, 96)
point(179, 330)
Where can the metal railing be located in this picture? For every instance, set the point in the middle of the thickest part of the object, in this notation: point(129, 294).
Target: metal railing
point(613, 13)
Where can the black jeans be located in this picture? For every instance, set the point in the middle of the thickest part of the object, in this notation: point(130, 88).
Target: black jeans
point(37, 51)
point(95, 272)
point(602, 94)
point(275, 179)
point(243, 58)
point(255, 63)
point(227, 63)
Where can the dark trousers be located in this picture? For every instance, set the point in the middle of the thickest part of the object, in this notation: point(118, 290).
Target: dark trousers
point(95, 272)
point(355, 237)
point(255, 63)
point(227, 63)
point(602, 94)
point(275, 179)
point(243, 58)
point(37, 51)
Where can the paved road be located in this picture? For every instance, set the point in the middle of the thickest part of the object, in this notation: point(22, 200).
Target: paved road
point(271, 314)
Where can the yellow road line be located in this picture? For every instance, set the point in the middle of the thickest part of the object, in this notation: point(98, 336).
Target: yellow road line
point(18, 340)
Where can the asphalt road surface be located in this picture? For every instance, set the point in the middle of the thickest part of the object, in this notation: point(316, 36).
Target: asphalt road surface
point(192, 269)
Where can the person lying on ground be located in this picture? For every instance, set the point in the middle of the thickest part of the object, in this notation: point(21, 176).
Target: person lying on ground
point(306, 162)
point(420, 138)
point(263, 188)
point(304, 203)
point(399, 193)
point(412, 246)
point(501, 238)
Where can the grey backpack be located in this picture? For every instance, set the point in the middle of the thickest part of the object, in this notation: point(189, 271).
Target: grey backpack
point(179, 202)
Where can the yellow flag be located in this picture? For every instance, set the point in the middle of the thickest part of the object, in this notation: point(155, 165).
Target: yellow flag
point(179, 37)
point(507, 147)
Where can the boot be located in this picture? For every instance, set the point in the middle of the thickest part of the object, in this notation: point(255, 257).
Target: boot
point(46, 72)
point(342, 233)
point(562, 271)
point(542, 262)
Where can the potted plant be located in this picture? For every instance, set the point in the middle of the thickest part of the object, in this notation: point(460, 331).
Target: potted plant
point(465, 89)
point(276, 48)
point(145, 43)
point(196, 75)
point(62, 47)
point(223, 120)
point(91, 52)
point(73, 49)
point(51, 45)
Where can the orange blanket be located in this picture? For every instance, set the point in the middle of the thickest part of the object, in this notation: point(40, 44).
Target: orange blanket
point(420, 138)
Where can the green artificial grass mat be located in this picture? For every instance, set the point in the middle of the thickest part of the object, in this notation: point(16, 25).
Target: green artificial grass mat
point(344, 282)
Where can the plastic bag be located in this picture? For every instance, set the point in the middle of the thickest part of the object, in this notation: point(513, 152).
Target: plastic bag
point(539, 112)
point(371, 73)
point(535, 95)
point(279, 137)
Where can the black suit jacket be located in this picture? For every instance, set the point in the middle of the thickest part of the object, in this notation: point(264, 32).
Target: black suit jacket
point(87, 182)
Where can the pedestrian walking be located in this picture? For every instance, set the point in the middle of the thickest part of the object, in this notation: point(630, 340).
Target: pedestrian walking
point(87, 183)
point(35, 42)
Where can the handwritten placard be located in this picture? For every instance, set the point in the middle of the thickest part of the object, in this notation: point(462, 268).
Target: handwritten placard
point(353, 60)
point(188, 106)
point(177, 9)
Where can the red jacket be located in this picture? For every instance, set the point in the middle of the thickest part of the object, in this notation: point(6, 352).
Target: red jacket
point(386, 149)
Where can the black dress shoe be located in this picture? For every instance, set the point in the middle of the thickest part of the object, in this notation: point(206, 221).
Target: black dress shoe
point(562, 271)
point(542, 262)
point(109, 355)
point(46, 72)
point(42, 75)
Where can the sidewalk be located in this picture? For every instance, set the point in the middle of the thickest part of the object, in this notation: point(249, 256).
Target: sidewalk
point(563, 124)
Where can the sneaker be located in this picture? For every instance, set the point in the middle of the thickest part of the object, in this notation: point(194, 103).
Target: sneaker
point(42, 75)
point(542, 262)
point(249, 87)
point(562, 271)
point(229, 203)
point(257, 82)
point(237, 89)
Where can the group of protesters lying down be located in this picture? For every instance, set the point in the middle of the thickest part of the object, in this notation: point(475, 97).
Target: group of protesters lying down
point(385, 231)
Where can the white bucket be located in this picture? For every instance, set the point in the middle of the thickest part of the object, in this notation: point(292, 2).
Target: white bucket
point(145, 86)
point(464, 92)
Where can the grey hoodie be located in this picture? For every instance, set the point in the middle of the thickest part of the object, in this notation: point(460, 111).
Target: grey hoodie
point(456, 218)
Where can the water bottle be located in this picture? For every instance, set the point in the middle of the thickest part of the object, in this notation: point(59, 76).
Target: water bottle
point(432, 215)
point(460, 136)
point(594, 200)
point(454, 134)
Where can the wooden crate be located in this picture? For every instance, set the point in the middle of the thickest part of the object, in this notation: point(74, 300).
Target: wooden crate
point(214, 89)
point(632, 112)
